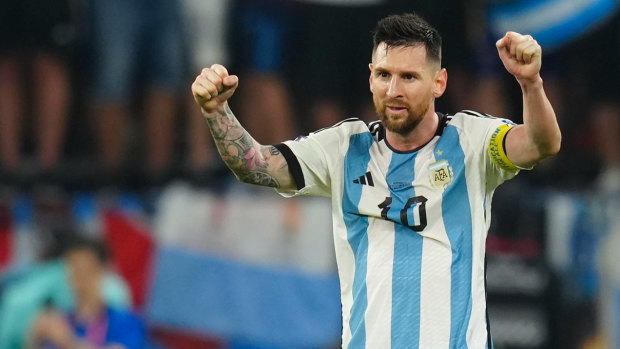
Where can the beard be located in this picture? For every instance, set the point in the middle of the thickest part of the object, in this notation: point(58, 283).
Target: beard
point(402, 125)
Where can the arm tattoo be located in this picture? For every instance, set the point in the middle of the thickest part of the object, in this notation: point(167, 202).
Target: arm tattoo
point(245, 157)
point(274, 151)
point(260, 178)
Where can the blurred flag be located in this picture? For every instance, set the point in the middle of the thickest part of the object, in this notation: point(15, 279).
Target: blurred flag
point(552, 22)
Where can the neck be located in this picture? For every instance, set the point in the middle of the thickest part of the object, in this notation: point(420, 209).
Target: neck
point(89, 308)
point(419, 136)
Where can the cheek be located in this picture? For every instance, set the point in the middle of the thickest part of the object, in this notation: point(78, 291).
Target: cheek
point(377, 93)
point(378, 86)
point(420, 93)
point(374, 89)
point(376, 100)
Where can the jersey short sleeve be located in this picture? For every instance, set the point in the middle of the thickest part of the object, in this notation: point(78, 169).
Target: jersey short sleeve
point(313, 158)
point(490, 132)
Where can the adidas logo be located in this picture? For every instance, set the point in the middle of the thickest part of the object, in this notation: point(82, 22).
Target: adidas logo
point(365, 179)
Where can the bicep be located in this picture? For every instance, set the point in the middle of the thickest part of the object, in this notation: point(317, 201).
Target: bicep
point(279, 168)
point(520, 149)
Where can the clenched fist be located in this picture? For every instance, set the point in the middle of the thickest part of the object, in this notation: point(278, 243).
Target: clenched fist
point(521, 55)
point(213, 87)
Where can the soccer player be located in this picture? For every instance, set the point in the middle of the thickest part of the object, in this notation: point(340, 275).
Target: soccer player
point(411, 192)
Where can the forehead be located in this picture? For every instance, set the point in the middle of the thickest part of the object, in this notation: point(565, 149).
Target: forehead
point(83, 258)
point(405, 57)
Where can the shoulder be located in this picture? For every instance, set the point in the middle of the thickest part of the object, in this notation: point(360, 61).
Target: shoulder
point(355, 126)
point(351, 125)
point(334, 136)
point(472, 117)
point(477, 124)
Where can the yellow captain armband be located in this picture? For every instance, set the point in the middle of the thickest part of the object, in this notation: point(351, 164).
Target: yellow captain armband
point(497, 149)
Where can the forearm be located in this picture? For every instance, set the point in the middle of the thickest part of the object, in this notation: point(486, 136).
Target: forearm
point(539, 119)
point(250, 161)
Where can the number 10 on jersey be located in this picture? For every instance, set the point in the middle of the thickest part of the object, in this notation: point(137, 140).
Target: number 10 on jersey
point(407, 213)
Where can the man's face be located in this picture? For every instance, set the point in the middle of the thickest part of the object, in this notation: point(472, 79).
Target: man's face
point(403, 85)
point(85, 272)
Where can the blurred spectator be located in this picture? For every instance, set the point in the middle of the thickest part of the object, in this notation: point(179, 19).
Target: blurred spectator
point(35, 43)
point(91, 323)
point(604, 74)
point(486, 91)
point(604, 108)
point(606, 122)
point(571, 33)
point(46, 283)
point(328, 92)
point(263, 49)
point(137, 53)
point(205, 23)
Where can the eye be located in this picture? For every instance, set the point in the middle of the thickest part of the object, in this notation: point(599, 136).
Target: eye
point(384, 74)
point(408, 77)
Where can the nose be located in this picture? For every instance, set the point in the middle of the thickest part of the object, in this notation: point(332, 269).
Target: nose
point(395, 88)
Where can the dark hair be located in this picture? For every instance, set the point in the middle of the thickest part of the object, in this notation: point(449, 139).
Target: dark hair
point(408, 29)
point(96, 246)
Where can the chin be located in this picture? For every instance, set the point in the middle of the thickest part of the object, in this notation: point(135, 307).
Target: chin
point(403, 125)
point(402, 128)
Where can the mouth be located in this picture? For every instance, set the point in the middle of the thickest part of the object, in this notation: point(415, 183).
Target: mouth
point(396, 109)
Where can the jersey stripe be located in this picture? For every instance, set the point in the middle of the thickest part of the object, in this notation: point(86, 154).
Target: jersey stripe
point(356, 162)
point(436, 262)
point(407, 267)
point(379, 282)
point(458, 225)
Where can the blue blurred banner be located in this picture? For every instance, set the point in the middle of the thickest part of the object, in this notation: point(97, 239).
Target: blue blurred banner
point(268, 307)
point(552, 22)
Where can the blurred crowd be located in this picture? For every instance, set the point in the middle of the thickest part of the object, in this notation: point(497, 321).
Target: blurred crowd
point(95, 96)
point(96, 92)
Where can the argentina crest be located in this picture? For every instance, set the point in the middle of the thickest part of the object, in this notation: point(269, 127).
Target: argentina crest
point(440, 174)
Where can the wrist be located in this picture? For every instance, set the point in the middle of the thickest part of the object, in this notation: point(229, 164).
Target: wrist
point(531, 83)
point(216, 111)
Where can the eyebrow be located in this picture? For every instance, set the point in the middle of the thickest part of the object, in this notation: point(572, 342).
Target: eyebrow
point(412, 73)
point(406, 72)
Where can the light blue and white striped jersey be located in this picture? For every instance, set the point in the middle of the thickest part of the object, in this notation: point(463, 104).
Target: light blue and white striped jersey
point(409, 227)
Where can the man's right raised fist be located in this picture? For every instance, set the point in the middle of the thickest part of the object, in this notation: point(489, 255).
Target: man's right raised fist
point(213, 87)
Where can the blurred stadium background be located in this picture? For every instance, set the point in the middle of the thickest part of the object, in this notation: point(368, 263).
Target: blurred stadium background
point(98, 131)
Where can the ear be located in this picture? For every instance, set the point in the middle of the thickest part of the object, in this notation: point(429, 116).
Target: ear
point(441, 80)
point(370, 78)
